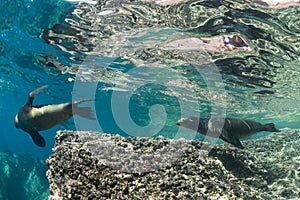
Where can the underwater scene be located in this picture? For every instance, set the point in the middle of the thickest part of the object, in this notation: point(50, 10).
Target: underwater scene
point(159, 69)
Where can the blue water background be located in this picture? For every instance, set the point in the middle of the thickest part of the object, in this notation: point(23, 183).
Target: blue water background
point(23, 168)
point(21, 47)
point(20, 73)
point(19, 42)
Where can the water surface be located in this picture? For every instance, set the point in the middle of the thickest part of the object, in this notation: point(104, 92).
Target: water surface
point(141, 90)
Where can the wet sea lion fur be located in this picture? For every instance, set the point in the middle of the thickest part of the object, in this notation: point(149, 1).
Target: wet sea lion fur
point(230, 130)
point(32, 119)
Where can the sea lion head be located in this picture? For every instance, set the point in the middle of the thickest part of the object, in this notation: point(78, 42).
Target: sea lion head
point(236, 43)
point(189, 122)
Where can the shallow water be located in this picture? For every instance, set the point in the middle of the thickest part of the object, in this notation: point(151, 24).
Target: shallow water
point(140, 89)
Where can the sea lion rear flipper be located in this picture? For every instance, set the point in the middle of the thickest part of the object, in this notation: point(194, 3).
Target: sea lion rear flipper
point(231, 139)
point(85, 112)
point(270, 127)
point(32, 94)
point(37, 138)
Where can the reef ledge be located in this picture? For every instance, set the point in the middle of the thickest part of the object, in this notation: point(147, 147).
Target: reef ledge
point(93, 165)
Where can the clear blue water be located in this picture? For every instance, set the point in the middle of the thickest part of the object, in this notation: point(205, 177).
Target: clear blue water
point(261, 86)
point(23, 169)
point(20, 43)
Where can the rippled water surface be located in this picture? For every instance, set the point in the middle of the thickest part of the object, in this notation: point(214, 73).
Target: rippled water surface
point(115, 51)
point(260, 84)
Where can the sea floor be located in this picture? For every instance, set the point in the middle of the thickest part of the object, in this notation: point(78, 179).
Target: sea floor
point(102, 166)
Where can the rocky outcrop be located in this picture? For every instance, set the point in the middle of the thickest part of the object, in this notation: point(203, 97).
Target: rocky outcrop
point(91, 165)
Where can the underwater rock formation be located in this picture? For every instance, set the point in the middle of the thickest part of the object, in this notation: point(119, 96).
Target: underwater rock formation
point(22, 177)
point(91, 165)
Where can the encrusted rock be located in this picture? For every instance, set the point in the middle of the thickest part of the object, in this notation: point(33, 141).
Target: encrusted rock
point(92, 165)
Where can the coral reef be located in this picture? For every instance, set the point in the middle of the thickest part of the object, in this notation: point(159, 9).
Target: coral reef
point(91, 165)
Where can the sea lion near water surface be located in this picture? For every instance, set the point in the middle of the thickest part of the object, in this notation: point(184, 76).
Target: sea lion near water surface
point(32, 119)
point(221, 43)
point(276, 4)
point(230, 130)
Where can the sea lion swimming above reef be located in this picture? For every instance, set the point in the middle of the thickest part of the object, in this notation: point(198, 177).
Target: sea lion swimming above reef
point(230, 130)
point(32, 119)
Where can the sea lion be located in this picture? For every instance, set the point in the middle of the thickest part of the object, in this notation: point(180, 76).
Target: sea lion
point(235, 42)
point(221, 43)
point(230, 130)
point(276, 4)
point(32, 119)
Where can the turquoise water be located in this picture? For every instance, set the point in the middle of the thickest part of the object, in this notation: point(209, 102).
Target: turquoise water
point(23, 166)
point(62, 44)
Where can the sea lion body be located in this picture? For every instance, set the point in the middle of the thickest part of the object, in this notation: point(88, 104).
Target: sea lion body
point(230, 130)
point(32, 119)
point(45, 117)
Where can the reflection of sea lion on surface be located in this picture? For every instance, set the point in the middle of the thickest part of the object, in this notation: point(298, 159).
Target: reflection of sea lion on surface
point(276, 3)
point(32, 119)
point(225, 43)
point(230, 130)
point(265, 3)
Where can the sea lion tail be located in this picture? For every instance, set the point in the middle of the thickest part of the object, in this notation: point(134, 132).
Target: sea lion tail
point(85, 112)
point(270, 127)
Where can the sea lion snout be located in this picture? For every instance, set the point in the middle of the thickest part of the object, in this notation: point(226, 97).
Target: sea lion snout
point(179, 121)
point(189, 122)
point(16, 122)
point(183, 121)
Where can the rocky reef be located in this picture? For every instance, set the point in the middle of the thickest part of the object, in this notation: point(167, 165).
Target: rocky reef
point(22, 177)
point(92, 165)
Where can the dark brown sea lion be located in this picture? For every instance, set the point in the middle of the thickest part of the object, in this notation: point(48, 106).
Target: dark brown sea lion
point(230, 130)
point(32, 119)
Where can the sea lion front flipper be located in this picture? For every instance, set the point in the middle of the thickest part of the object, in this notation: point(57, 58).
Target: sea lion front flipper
point(32, 94)
point(37, 138)
point(231, 139)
